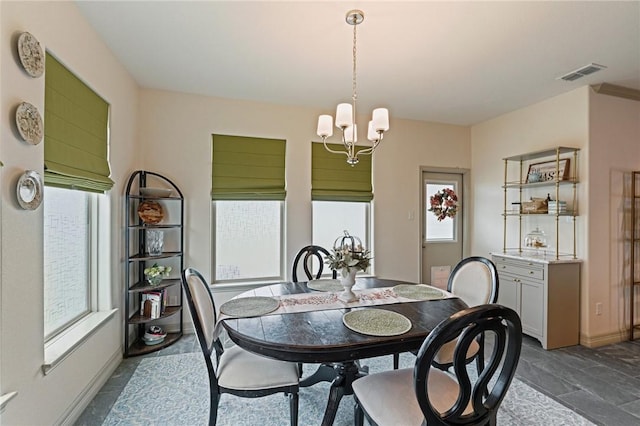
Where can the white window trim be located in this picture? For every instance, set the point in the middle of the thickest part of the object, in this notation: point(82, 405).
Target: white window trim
point(63, 344)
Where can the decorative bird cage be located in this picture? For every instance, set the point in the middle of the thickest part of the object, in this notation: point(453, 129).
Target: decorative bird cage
point(348, 243)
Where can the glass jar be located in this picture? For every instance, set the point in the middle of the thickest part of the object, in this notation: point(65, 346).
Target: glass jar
point(535, 239)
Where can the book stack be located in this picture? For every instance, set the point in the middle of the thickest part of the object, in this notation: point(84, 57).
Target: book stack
point(558, 207)
point(153, 303)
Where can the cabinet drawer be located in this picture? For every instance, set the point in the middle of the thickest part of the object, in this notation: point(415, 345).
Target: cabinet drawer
point(522, 269)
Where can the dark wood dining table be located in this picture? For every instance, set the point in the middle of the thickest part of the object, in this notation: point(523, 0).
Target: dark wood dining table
point(321, 337)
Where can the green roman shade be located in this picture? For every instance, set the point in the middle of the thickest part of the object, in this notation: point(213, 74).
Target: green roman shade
point(76, 124)
point(247, 168)
point(332, 179)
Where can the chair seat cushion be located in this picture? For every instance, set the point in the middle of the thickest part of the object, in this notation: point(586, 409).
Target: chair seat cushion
point(445, 354)
point(242, 370)
point(389, 398)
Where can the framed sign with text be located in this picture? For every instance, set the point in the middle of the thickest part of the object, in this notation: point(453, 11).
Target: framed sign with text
point(546, 171)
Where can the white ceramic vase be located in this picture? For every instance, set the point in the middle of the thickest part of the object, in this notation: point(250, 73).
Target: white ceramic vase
point(348, 279)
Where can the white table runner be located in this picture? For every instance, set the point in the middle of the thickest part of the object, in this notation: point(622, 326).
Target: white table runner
point(323, 301)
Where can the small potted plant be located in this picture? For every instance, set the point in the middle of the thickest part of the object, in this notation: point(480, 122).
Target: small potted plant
point(156, 273)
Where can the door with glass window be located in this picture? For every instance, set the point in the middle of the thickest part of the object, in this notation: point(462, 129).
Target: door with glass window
point(442, 236)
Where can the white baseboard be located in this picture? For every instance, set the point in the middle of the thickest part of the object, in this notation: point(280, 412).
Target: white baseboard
point(604, 339)
point(75, 410)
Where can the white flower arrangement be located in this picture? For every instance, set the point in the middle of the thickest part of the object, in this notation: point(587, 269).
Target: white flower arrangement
point(346, 259)
point(157, 273)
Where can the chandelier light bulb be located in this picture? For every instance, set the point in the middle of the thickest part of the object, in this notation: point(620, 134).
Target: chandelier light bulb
point(372, 135)
point(351, 134)
point(380, 119)
point(344, 115)
point(325, 126)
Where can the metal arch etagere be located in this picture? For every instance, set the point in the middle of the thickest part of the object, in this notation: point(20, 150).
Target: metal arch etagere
point(137, 257)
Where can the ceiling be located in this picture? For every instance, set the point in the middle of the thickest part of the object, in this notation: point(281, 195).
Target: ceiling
point(450, 62)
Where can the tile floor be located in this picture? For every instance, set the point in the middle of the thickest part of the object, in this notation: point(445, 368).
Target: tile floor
point(602, 384)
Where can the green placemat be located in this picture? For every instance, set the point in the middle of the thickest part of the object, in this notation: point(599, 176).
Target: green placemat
point(249, 306)
point(325, 285)
point(418, 292)
point(376, 322)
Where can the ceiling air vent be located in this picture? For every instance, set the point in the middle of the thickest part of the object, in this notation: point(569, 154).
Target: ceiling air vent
point(581, 72)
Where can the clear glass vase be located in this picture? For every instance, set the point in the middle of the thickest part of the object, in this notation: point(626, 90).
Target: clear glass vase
point(154, 280)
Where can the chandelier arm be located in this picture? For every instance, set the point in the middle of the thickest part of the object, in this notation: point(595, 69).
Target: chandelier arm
point(324, 141)
point(369, 151)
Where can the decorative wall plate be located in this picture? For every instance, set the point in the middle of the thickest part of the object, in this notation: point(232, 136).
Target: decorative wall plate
point(29, 123)
point(29, 190)
point(31, 55)
point(150, 212)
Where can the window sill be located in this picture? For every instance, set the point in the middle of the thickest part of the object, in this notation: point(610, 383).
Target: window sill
point(60, 347)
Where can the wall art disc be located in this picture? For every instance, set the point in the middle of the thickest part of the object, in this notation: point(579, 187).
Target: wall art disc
point(31, 54)
point(29, 123)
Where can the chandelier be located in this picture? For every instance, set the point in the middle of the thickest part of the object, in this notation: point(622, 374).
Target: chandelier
point(346, 114)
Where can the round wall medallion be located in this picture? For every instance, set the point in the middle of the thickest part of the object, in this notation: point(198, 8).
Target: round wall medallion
point(29, 190)
point(150, 212)
point(31, 55)
point(29, 123)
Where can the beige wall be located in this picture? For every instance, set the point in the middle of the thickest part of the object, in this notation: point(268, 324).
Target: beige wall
point(559, 121)
point(607, 131)
point(175, 133)
point(614, 151)
point(48, 399)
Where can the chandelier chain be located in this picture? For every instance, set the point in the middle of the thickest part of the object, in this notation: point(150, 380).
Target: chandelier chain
point(355, 89)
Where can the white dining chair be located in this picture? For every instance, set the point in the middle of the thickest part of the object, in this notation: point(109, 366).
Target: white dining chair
point(427, 395)
point(475, 281)
point(234, 370)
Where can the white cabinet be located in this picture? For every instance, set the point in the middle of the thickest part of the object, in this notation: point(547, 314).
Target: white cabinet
point(546, 295)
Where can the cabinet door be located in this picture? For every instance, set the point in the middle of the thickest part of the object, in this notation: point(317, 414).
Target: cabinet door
point(532, 307)
point(509, 292)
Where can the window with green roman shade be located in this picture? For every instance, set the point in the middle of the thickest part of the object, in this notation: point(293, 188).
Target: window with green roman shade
point(76, 122)
point(333, 179)
point(246, 168)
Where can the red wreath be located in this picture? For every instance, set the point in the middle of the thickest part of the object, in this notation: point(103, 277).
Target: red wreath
point(444, 204)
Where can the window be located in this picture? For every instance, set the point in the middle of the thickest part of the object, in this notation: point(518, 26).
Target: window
point(332, 218)
point(248, 240)
point(77, 299)
point(248, 192)
point(341, 197)
point(68, 256)
point(444, 230)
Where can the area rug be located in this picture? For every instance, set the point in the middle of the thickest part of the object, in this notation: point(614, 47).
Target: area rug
point(173, 390)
